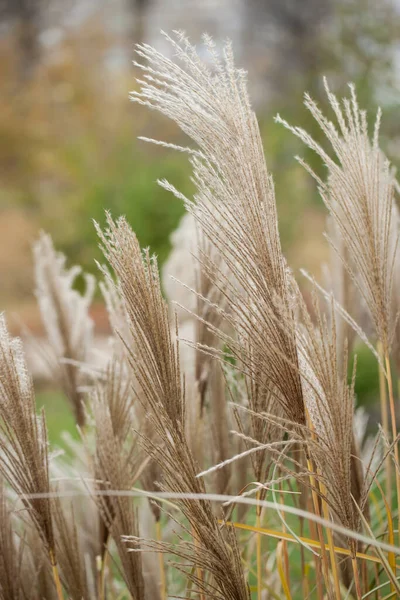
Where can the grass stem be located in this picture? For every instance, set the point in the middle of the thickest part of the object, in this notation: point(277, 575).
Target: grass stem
point(385, 422)
point(56, 576)
point(163, 582)
point(357, 582)
point(199, 571)
point(331, 544)
point(394, 431)
point(317, 559)
point(259, 554)
point(324, 558)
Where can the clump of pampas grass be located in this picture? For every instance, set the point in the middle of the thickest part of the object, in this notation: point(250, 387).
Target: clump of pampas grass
point(227, 408)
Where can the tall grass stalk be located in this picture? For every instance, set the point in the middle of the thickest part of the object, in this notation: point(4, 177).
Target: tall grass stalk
point(385, 421)
point(315, 498)
point(331, 545)
point(56, 576)
point(163, 580)
point(394, 434)
point(357, 582)
point(259, 552)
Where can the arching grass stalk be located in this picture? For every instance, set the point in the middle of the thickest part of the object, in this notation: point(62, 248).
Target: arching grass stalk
point(313, 483)
point(394, 433)
point(56, 575)
point(324, 558)
point(163, 582)
point(326, 516)
point(317, 557)
point(259, 549)
point(385, 422)
point(357, 582)
point(332, 554)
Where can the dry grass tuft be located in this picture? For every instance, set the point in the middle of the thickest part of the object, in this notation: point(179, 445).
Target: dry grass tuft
point(65, 317)
point(359, 194)
point(24, 459)
point(234, 206)
point(155, 364)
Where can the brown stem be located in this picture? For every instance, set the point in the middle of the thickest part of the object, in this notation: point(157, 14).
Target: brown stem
point(356, 578)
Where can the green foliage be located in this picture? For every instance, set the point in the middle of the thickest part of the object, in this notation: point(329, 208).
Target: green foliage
point(130, 191)
point(59, 417)
point(367, 381)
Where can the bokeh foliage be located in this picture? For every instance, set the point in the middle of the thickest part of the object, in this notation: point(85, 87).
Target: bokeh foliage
point(68, 133)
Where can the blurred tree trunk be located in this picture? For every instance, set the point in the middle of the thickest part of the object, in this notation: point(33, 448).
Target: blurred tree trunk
point(292, 36)
point(138, 9)
point(27, 13)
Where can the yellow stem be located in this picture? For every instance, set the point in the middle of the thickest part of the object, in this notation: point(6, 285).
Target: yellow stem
point(394, 431)
point(331, 545)
point(356, 578)
point(284, 547)
point(163, 582)
point(317, 557)
point(56, 576)
point(324, 558)
point(259, 555)
point(385, 422)
point(398, 387)
point(281, 570)
point(304, 575)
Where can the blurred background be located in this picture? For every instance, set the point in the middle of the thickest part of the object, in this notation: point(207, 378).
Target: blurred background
point(68, 133)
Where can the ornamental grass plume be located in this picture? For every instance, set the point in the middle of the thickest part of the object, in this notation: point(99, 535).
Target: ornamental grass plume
point(122, 341)
point(234, 206)
point(154, 361)
point(24, 458)
point(65, 317)
point(359, 194)
point(330, 404)
point(116, 466)
point(235, 209)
